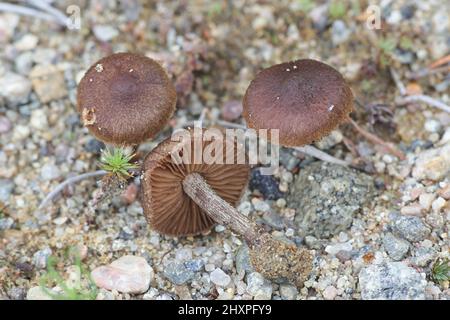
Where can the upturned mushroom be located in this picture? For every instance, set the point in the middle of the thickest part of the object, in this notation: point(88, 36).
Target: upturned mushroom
point(304, 99)
point(125, 98)
point(186, 198)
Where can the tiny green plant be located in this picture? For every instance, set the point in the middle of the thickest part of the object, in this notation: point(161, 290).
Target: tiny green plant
point(386, 47)
point(337, 9)
point(305, 5)
point(118, 162)
point(441, 270)
point(74, 291)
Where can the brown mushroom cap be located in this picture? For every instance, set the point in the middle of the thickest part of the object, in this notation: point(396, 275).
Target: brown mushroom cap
point(167, 207)
point(125, 98)
point(304, 99)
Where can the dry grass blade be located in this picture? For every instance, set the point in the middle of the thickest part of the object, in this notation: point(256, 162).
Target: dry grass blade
point(376, 140)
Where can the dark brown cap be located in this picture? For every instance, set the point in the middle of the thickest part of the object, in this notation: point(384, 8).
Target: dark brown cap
point(304, 99)
point(166, 206)
point(125, 98)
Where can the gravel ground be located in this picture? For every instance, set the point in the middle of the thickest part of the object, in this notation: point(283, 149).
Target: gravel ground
point(376, 231)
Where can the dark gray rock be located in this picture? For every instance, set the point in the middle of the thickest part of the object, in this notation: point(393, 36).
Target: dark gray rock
point(395, 247)
point(327, 196)
point(6, 188)
point(391, 281)
point(423, 256)
point(243, 260)
point(178, 273)
point(194, 265)
point(266, 184)
point(411, 228)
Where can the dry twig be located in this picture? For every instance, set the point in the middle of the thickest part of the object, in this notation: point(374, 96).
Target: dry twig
point(67, 182)
point(374, 139)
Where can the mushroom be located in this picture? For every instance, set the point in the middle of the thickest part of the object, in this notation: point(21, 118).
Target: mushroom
point(184, 198)
point(304, 99)
point(125, 98)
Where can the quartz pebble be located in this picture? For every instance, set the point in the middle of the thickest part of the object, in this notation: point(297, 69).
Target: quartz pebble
point(432, 164)
point(330, 293)
point(259, 287)
point(220, 278)
point(14, 88)
point(128, 274)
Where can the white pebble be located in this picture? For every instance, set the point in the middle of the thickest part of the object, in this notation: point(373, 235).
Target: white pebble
point(220, 278)
point(438, 204)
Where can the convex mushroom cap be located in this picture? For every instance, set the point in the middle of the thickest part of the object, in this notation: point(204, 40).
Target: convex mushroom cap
point(125, 98)
point(304, 99)
point(167, 207)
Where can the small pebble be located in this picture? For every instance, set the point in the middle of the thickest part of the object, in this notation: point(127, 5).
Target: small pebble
point(220, 278)
point(128, 274)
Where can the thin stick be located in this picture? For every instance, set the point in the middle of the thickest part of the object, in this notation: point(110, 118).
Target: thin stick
point(440, 62)
point(233, 125)
point(69, 181)
point(201, 118)
point(44, 6)
point(425, 99)
point(425, 72)
point(319, 154)
point(308, 149)
point(400, 86)
point(374, 139)
point(25, 11)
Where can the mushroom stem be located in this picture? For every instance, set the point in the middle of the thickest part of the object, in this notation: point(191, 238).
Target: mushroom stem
point(221, 211)
point(272, 258)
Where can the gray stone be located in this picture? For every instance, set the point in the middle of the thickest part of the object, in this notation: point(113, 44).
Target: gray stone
point(183, 254)
point(6, 223)
point(411, 228)
point(391, 281)
point(288, 160)
point(194, 265)
point(6, 188)
point(5, 125)
point(40, 258)
point(243, 260)
point(14, 88)
point(128, 274)
point(339, 32)
point(343, 255)
point(423, 256)
point(220, 278)
point(395, 247)
point(273, 219)
point(49, 172)
point(24, 63)
point(178, 273)
point(259, 287)
point(17, 293)
point(288, 292)
point(334, 248)
point(327, 196)
point(105, 33)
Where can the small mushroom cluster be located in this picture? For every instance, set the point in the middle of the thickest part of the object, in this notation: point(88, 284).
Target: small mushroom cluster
point(127, 98)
